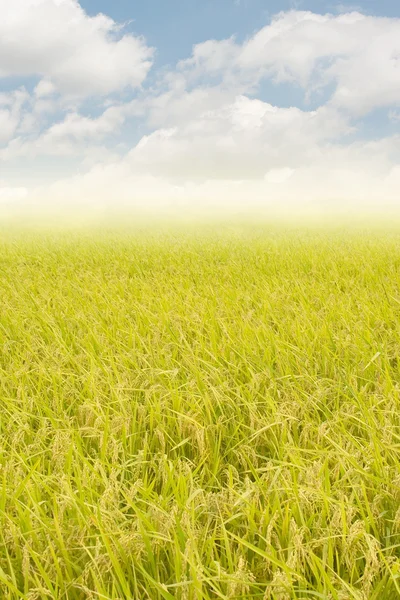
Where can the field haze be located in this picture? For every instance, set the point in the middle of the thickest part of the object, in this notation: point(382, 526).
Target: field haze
point(200, 415)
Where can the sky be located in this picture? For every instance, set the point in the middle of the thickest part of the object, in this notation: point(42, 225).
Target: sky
point(196, 107)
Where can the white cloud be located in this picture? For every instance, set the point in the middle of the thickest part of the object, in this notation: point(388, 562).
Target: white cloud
point(212, 56)
point(69, 136)
point(359, 54)
point(11, 106)
point(178, 105)
point(241, 140)
point(79, 54)
point(44, 88)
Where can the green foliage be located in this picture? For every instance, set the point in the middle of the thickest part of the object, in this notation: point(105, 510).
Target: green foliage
point(200, 416)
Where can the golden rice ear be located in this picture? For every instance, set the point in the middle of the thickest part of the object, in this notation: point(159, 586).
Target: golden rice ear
point(205, 427)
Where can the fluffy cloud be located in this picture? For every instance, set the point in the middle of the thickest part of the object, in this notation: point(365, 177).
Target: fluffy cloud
point(71, 135)
point(241, 140)
point(11, 106)
point(44, 89)
point(359, 54)
point(57, 40)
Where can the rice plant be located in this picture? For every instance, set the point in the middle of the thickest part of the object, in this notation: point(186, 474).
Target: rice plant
point(201, 415)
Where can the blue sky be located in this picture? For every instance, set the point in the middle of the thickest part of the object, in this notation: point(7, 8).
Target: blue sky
point(194, 103)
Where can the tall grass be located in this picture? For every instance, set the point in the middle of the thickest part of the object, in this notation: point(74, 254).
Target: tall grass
point(200, 416)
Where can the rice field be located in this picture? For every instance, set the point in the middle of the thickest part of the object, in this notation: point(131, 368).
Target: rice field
point(200, 415)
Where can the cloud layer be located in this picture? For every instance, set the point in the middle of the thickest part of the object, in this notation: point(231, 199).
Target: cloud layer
point(78, 54)
point(203, 137)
